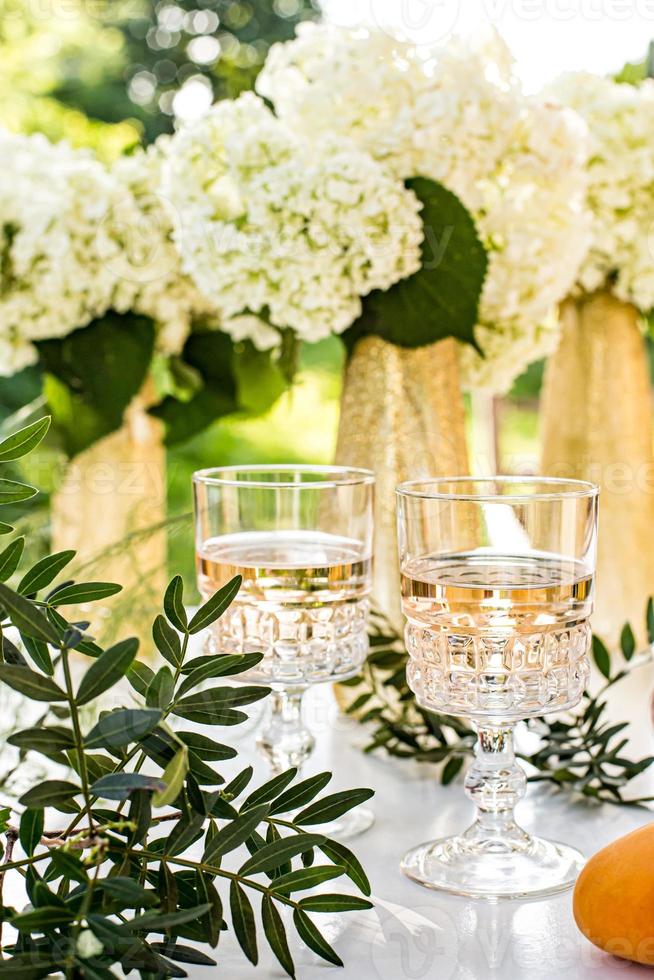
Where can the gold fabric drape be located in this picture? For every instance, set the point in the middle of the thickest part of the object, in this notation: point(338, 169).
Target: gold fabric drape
point(596, 423)
point(110, 498)
point(402, 416)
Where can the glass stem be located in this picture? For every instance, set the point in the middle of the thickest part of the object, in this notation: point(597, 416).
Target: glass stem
point(285, 740)
point(495, 783)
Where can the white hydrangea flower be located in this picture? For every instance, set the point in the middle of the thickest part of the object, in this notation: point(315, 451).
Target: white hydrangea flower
point(52, 201)
point(274, 225)
point(77, 239)
point(144, 258)
point(620, 118)
point(457, 115)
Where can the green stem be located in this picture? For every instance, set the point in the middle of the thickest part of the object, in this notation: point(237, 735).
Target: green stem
point(79, 740)
point(120, 766)
point(219, 872)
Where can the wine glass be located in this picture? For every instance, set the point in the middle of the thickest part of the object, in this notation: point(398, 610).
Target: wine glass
point(301, 538)
point(497, 589)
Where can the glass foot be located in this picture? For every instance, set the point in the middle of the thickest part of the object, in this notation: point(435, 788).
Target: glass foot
point(351, 824)
point(494, 868)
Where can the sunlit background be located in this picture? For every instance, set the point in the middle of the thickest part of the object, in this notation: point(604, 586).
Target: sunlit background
point(112, 73)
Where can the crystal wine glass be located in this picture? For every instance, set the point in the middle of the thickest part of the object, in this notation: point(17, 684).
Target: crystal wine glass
point(497, 589)
point(301, 538)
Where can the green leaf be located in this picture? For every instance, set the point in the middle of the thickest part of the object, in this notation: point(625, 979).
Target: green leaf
point(206, 748)
point(140, 677)
point(184, 834)
point(212, 923)
point(6, 528)
point(33, 685)
point(24, 440)
point(38, 651)
point(215, 606)
point(215, 705)
point(302, 793)
point(332, 807)
point(220, 666)
point(627, 642)
point(211, 354)
point(279, 852)
point(86, 592)
point(64, 864)
point(173, 777)
point(167, 641)
point(341, 855)
point(119, 785)
point(310, 935)
point(243, 921)
point(44, 572)
point(303, 878)
point(12, 492)
point(157, 922)
point(233, 834)
point(121, 727)
point(92, 374)
point(31, 830)
point(10, 558)
point(42, 919)
point(601, 657)
point(650, 620)
point(183, 954)
point(49, 792)
point(30, 966)
point(46, 740)
point(334, 903)
point(238, 783)
point(271, 789)
point(442, 298)
point(107, 670)
point(260, 378)
point(161, 689)
point(128, 892)
point(451, 769)
point(26, 617)
point(174, 604)
point(275, 932)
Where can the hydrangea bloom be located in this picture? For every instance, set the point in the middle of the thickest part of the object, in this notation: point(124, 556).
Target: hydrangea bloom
point(78, 239)
point(456, 114)
point(52, 201)
point(282, 232)
point(620, 118)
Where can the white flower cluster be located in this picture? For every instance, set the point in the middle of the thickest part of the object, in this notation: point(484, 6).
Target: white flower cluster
point(620, 118)
point(456, 114)
point(78, 239)
point(283, 232)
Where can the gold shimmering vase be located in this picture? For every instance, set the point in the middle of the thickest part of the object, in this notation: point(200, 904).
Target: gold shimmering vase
point(110, 508)
point(402, 416)
point(596, 424)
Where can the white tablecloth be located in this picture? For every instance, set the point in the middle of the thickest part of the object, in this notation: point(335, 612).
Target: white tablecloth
point(418, 934)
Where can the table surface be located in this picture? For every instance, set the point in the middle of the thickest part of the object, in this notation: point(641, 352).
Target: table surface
point(416, 933)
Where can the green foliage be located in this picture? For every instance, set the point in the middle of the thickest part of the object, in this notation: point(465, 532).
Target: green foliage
point(634, 73)
point(228, 378)
point(114, 876)
point(581, 751)
point(92, 374)
point(441, 299)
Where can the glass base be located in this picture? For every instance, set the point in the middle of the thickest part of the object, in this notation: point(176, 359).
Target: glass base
point(351, 824)
point(493, 868)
